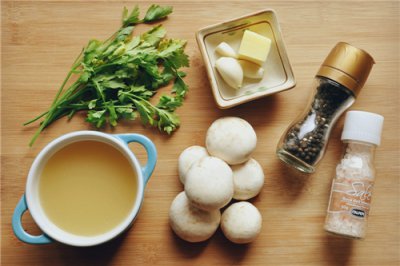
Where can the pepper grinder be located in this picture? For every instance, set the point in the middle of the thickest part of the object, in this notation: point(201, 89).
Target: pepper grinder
point(336, 85)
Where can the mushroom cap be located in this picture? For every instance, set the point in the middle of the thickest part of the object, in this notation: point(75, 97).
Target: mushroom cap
point(241, 222)
point(232, 139)
point(209, 184)
point(187, 158)
point(192, 224)
point(248, 179)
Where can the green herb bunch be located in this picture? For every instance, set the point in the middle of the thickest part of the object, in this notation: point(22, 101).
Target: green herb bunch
point(116, 78)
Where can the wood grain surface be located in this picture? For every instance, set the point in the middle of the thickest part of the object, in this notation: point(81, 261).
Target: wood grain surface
point(41, 39)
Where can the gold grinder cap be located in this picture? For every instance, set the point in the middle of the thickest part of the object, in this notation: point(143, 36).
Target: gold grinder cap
point(347, 65)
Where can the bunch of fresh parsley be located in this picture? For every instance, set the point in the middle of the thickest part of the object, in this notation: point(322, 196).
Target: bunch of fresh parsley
point(116, 78)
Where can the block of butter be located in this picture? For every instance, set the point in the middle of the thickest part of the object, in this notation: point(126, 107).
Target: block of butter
point(254, 47)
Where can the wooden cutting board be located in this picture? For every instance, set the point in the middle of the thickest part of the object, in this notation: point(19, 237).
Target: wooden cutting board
point(41, 39)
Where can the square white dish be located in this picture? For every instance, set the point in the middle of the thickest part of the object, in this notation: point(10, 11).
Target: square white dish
point(278, 74)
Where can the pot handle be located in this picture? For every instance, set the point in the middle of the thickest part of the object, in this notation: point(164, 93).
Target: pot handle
point(148, 169)
point(19, 230)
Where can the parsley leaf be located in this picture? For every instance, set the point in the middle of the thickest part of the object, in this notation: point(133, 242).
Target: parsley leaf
point(156, 12)
point(97, 118)
point(154, 36)
point(132, 18)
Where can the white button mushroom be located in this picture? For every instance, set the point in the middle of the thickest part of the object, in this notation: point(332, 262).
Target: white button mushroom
point(189, 156)
point(232, 139)
point(192, 224)
point(241, 223)
point(248, 180)
point(209, 184)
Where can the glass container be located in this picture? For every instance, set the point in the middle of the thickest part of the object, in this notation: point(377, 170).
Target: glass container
point(351, 192)
point(336, 85)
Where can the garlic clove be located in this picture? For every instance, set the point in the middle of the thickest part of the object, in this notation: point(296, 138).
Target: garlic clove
point(225, 49)
point(251, 70)
point(230, 71)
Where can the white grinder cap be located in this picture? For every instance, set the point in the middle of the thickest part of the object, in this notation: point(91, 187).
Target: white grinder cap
point(363, 126)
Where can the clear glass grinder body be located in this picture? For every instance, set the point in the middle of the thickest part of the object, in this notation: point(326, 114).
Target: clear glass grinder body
point(304, 142)
point(351, 192)
point(336, 85)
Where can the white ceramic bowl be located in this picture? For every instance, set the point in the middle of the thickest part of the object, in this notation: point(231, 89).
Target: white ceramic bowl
point(31, 198)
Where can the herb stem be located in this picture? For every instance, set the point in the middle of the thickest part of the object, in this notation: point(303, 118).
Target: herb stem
point(35, 119)
point(50, 114)
point(75, 65)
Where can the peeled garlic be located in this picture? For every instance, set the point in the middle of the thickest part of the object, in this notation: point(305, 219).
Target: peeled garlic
point(251, 70)
point(225, 49)
point(231, 71)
